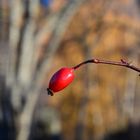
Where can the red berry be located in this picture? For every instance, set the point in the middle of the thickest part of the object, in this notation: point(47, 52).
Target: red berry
point(61, 79)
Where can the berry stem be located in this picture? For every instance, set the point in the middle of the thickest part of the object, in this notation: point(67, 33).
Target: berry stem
point(122, 63)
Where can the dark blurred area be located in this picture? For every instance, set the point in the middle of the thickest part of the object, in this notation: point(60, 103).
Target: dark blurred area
point(38, 37)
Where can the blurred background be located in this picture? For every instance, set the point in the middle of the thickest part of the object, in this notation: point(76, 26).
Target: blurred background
point(38, 37)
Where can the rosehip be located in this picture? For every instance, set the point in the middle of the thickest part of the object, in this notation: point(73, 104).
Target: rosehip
point(61, 79)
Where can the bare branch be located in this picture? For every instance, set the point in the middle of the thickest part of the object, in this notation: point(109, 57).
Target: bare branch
point(122, 63)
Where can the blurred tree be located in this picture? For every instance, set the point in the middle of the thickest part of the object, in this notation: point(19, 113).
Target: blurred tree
point(26, 70)
point(101, 100)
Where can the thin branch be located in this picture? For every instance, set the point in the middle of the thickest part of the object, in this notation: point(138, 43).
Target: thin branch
point(122, 63)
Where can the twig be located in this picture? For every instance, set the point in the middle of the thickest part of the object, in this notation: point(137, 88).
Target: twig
point(122, 63)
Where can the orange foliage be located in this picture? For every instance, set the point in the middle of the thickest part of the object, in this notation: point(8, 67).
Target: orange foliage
point(107, 84)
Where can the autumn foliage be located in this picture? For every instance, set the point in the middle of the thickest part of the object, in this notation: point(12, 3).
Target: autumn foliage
point(38, 37)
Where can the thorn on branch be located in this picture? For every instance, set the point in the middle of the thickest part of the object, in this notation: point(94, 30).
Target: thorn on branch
point(125, 62)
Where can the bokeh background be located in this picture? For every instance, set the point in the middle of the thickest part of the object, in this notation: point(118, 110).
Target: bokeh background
point(38, 37)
